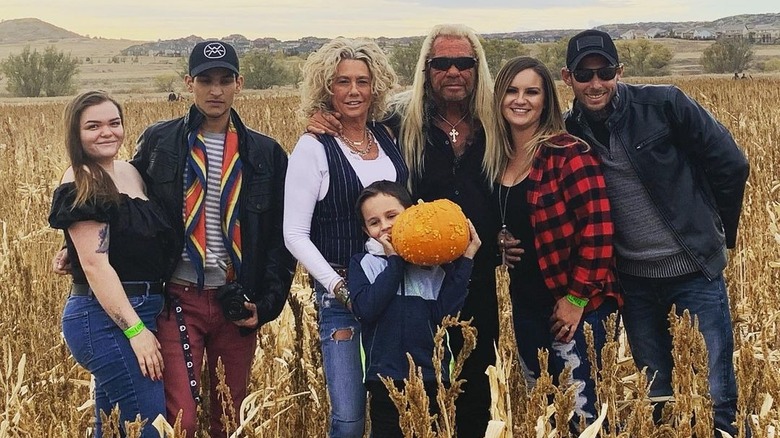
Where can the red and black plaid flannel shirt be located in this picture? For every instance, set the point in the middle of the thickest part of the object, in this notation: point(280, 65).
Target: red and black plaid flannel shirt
point(572, 222)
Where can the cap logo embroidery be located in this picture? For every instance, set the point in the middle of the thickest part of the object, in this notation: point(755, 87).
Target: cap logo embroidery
point(590, 41)
point(214, 50)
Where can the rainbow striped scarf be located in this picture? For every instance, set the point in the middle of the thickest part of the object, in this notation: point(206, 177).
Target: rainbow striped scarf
point(195, 181)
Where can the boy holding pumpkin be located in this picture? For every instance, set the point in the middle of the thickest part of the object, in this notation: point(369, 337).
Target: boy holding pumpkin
point(399, 304)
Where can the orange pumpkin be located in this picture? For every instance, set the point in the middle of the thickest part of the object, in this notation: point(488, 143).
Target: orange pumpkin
point(431, 233)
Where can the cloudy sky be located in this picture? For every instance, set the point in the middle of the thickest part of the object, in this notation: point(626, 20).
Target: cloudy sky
point(292, 19)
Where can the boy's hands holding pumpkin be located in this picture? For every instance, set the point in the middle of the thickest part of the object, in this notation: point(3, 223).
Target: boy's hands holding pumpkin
point(474, 242)
point(387, 244)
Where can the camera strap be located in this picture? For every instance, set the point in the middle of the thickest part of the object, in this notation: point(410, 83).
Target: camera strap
point(184, 338)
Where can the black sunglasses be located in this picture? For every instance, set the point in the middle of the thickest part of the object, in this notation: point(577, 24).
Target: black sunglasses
point(444, 63)
point(586, 74)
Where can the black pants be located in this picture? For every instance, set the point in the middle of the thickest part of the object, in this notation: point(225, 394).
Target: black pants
point(473, 405)
point(384, 415)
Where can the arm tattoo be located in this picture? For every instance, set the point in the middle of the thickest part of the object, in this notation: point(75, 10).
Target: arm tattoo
point(119, 321)
point(103, 239)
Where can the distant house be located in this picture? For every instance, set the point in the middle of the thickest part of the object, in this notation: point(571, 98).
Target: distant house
point(633, 34)
point(764, 34)
point(686, 34)
point(657, 32)
point(734, 32)
point(704, 34)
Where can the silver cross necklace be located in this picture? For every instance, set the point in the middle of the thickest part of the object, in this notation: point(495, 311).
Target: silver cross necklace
point(453, 132)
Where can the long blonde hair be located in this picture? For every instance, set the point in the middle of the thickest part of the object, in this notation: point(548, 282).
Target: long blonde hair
point(416, 105)
point(321, 65)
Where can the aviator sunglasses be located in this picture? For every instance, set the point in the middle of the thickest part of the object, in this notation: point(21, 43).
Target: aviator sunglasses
point(586, 74)
point(444, 63)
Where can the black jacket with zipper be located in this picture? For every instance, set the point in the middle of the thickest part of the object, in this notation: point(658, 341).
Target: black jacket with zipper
point(687, 161)
point(267, 267)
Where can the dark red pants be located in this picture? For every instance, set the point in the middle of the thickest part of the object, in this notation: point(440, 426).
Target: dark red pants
point(208, 331)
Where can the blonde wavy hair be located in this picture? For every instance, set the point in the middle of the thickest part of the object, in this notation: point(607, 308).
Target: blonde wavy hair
point(417, 106)
point(320, 67)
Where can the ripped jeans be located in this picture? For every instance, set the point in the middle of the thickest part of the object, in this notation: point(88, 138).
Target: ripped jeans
point(532, 331)
point(341, 361)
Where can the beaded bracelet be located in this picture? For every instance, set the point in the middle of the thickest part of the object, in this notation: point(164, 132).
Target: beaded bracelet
point(577, 301)
point(134, 330)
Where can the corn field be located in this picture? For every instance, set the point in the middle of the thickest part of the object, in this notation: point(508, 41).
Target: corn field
point(44, 393)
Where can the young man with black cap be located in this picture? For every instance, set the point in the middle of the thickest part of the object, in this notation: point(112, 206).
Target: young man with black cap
point(221, 185)
point(675, 180)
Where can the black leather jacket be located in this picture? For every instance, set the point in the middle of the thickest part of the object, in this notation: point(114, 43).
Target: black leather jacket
point(267, 267)
point(687, 161)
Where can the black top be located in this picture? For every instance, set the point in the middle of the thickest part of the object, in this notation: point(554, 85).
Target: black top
point(138, 234)
point(461, 180)
point(526, 280)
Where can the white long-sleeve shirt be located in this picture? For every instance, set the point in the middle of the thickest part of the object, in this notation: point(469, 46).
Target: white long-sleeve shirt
point(307, 182)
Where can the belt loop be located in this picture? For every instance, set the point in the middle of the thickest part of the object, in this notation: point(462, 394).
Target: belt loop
point(148, 288)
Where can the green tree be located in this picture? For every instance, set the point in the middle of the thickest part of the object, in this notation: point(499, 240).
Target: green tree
point(24, 73)
point(166, 82)
point(553, 55)
point(404, 60)
point(263, 70)
point(59, 71)
point(30, 72)
point(183, 66)
point(726, 56)
point(499, 51)
point(644, 58)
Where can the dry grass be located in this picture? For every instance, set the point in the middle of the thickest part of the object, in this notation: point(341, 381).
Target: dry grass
point(43, 393)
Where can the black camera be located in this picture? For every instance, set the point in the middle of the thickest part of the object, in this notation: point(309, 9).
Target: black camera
point(231, 298)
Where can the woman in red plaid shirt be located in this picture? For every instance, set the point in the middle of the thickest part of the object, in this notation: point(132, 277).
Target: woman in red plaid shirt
point(556, 228)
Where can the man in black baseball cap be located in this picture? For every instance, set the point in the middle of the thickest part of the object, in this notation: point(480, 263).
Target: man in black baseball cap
point(675, 181)
point(212, 54)
point(590, 42)
point(226, 183)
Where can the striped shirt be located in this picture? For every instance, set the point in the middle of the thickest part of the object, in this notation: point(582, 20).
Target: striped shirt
point(215, 245)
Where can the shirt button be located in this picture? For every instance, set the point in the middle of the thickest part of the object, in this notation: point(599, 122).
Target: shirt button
point(257, 206)
point(446, 142)
point(457, 192)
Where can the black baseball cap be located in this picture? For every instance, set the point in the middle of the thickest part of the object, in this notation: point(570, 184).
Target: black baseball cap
point(212, 54)
point(590, 42)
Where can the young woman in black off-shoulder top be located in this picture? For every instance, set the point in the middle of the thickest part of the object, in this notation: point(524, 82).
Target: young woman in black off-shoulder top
point(115, 239)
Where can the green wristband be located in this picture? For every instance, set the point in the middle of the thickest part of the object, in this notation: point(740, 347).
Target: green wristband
point(577, 301)
point(133, 331)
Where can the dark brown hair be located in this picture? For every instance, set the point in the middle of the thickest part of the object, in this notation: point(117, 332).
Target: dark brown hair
point(383, 187)
point(91, 180)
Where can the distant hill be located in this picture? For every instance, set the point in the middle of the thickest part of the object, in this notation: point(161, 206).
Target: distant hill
point(32, 29)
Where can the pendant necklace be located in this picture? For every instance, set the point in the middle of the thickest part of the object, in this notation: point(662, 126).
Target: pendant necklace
point(355, 146)
point(502, 206)
point(453, 132)
point(504, 231)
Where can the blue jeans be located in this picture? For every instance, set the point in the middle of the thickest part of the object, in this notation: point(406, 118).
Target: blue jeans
point(101, 347)
point(341, 361)
point(532, 331)
point(646, 308)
